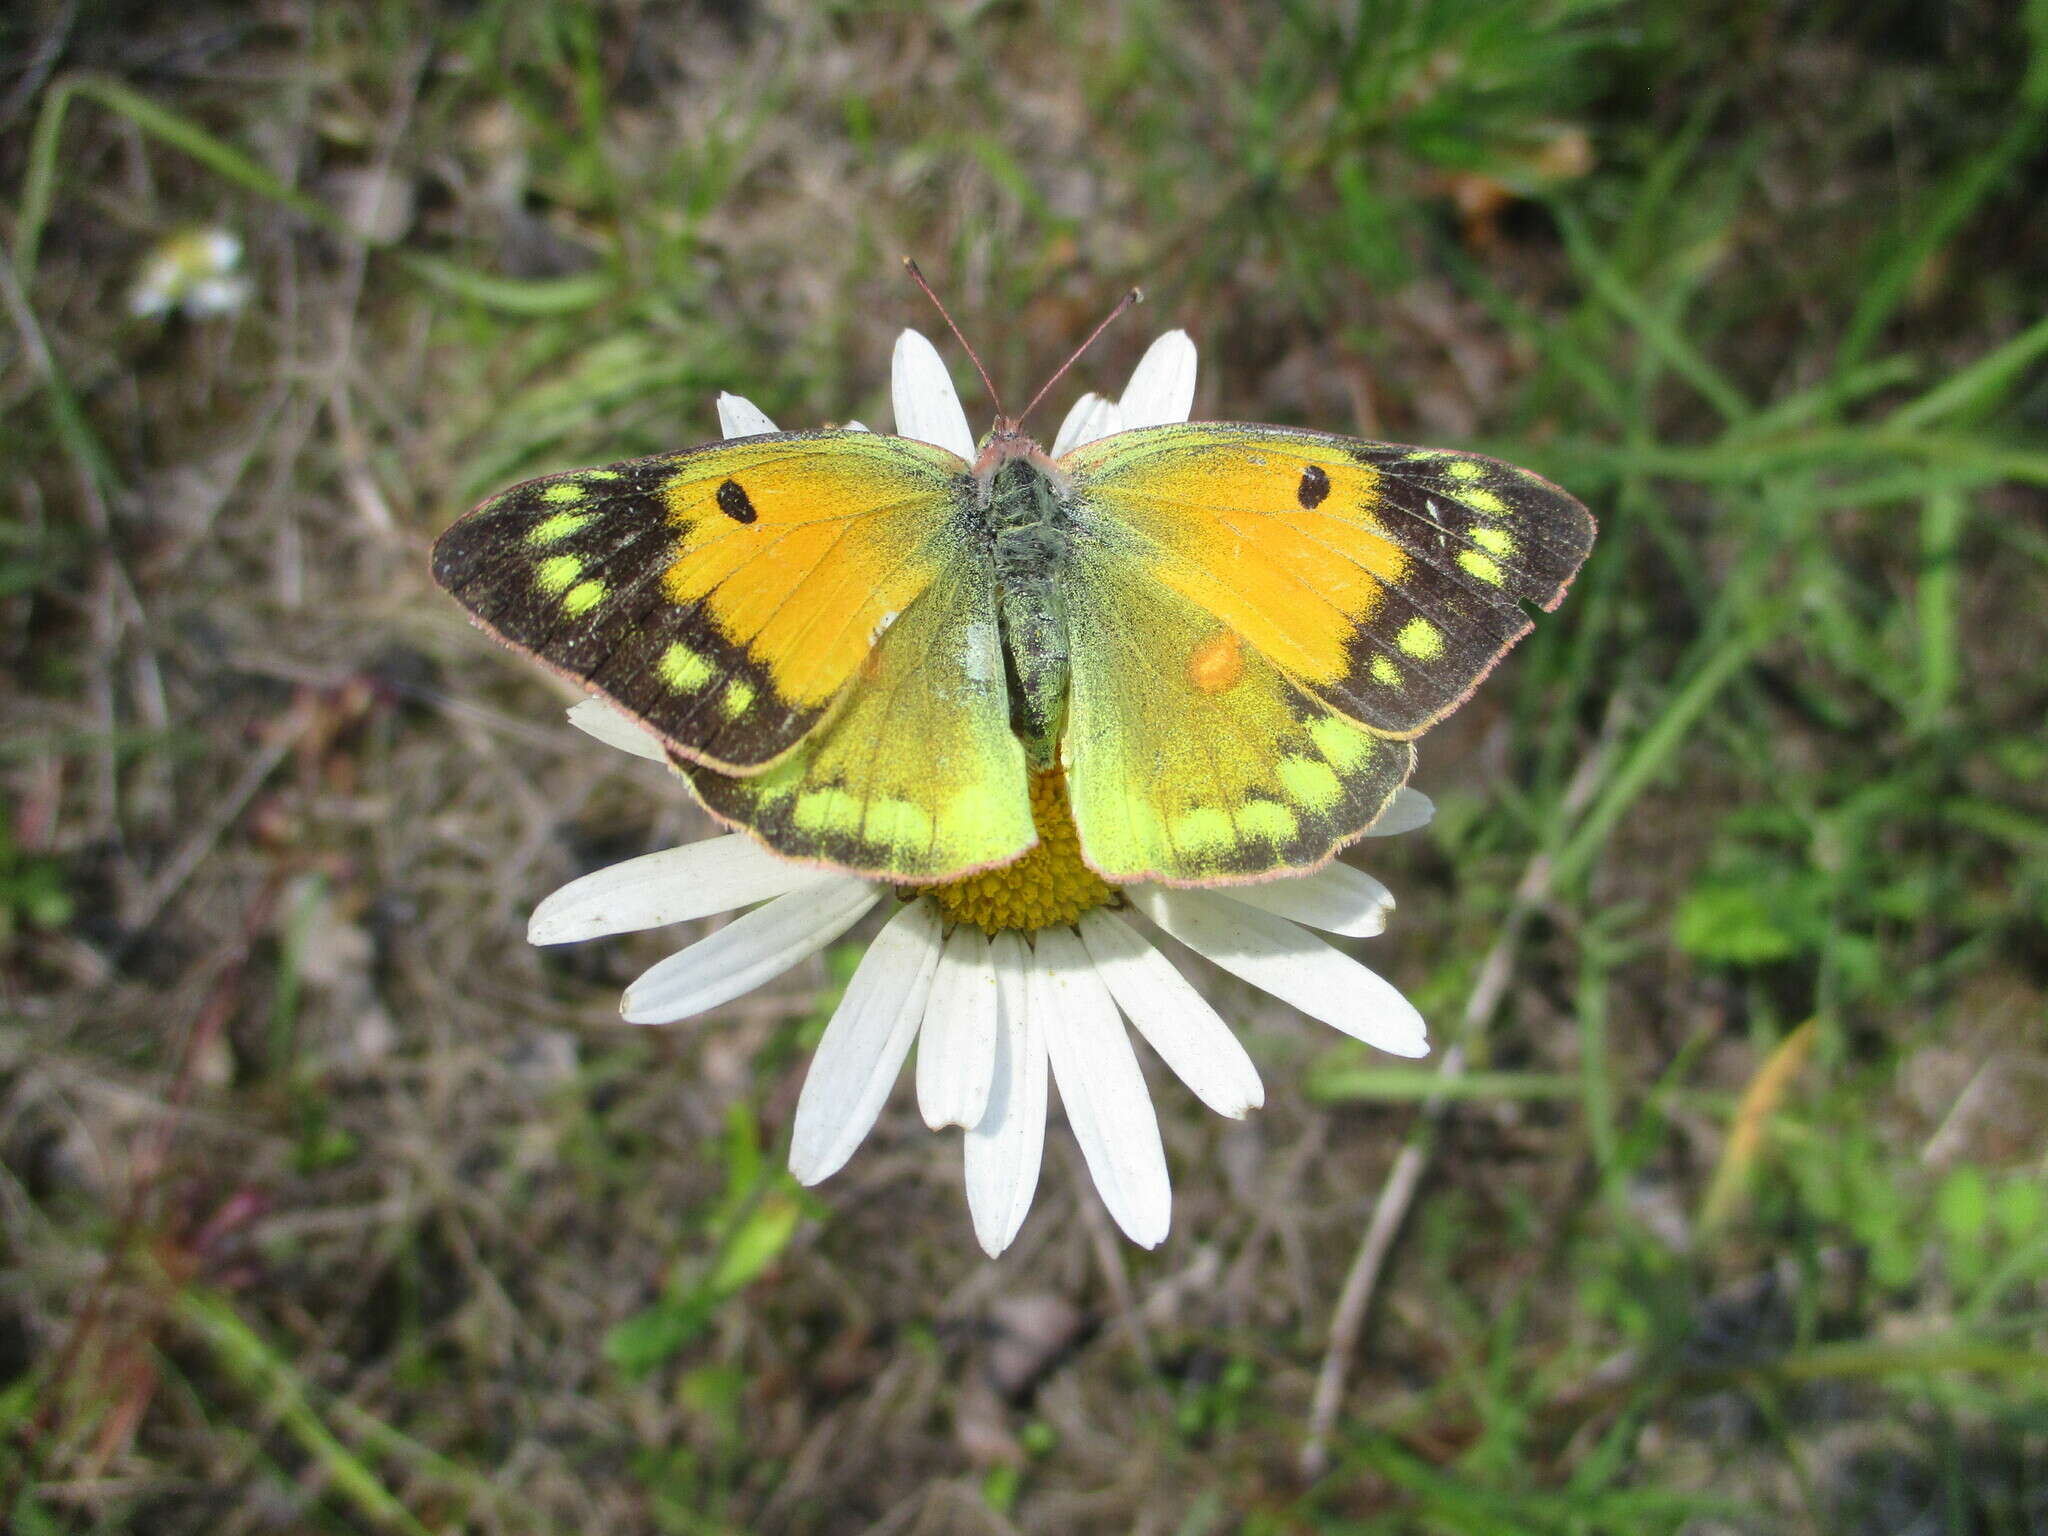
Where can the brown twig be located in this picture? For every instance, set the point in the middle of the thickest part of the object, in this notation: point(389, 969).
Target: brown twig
point(1361, 1281)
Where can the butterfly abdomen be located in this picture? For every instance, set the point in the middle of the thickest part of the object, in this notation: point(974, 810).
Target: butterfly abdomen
point(1030, 532)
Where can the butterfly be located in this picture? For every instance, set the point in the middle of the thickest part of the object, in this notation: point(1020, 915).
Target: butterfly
point(860, 647)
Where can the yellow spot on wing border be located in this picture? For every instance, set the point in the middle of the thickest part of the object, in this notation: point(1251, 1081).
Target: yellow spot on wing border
point(737, 699)
point(558, 573)
point(1480, 567)
point(1268, 819)
point(1344, 744)
point(897, 823)
point(1495, 541)
point(1311, 783)
point(830, 809)
point(683, 669)
point(1204, 829)
point(1421, 639)
point(552, 530)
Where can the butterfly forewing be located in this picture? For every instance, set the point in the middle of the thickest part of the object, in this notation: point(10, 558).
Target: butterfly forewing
point(725, 595)
point(1386, 580)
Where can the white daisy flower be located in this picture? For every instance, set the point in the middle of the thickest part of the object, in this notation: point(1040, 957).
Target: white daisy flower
point(1005, 976)
point(195, 270)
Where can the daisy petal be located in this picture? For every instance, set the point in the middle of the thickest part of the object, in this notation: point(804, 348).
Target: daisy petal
point(1105, 420)
point(1070, 424)
point(927, 406)
point(1162, 387)
point(1289, 962)
point(1003, 1152)
point(856, 426)
point(672, 886)
point(740, 417)
point(1172, 1016)
point(1091, 417)
point(1336, 899)
point(612, 726)
point(1409, 811)
point(956, 1049)
point(751, 949)
point(1101, 1087)
point(863, 1048)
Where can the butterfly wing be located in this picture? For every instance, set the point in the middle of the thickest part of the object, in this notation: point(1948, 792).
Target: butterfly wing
point(917, 776)
point(724, 595)
point(802, 617)
point(1192, 758)
point(1325, 599)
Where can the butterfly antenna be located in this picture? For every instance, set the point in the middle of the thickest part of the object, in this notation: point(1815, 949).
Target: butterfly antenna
point(1135, 296)
point(917, 277)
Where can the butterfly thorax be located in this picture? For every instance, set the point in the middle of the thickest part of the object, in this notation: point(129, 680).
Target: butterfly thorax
point(1030, 530)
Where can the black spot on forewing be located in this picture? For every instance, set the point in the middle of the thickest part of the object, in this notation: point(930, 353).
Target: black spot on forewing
point(1314, 487)
point(734, 503)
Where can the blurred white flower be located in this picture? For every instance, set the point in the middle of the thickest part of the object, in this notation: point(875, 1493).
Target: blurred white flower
point(1007, 977)
point(196, 270)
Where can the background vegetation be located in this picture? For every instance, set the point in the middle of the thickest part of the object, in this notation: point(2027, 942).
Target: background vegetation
point(329, 1205)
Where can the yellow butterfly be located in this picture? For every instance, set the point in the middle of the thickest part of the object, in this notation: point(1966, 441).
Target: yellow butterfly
point(861, 647)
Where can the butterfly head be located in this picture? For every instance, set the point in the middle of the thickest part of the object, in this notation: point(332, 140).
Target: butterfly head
point(1008, 440)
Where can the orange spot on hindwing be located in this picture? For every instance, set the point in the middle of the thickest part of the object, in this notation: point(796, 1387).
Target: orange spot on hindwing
point(1217, 664)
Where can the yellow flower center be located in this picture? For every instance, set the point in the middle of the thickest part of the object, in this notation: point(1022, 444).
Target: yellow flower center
point(1048, 887)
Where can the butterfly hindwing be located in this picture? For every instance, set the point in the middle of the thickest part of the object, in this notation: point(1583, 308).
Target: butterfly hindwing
point(1191, 758)
point(1386, 580)
point(917, 775)
point(725, 595)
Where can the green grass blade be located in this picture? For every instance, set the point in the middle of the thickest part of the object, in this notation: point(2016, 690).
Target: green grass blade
point(1941, 529)
point(527, 297)
point(1971, 392)
point(1402, 1085)
point(1655, 748)
point(261, 1371)
point(89, 457)
point(1931, 230)
point(1658, 333)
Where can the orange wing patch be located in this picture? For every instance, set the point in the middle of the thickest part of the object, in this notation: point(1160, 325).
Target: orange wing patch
point(1297, 586)
point(1217, 664)
point(795, 554)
